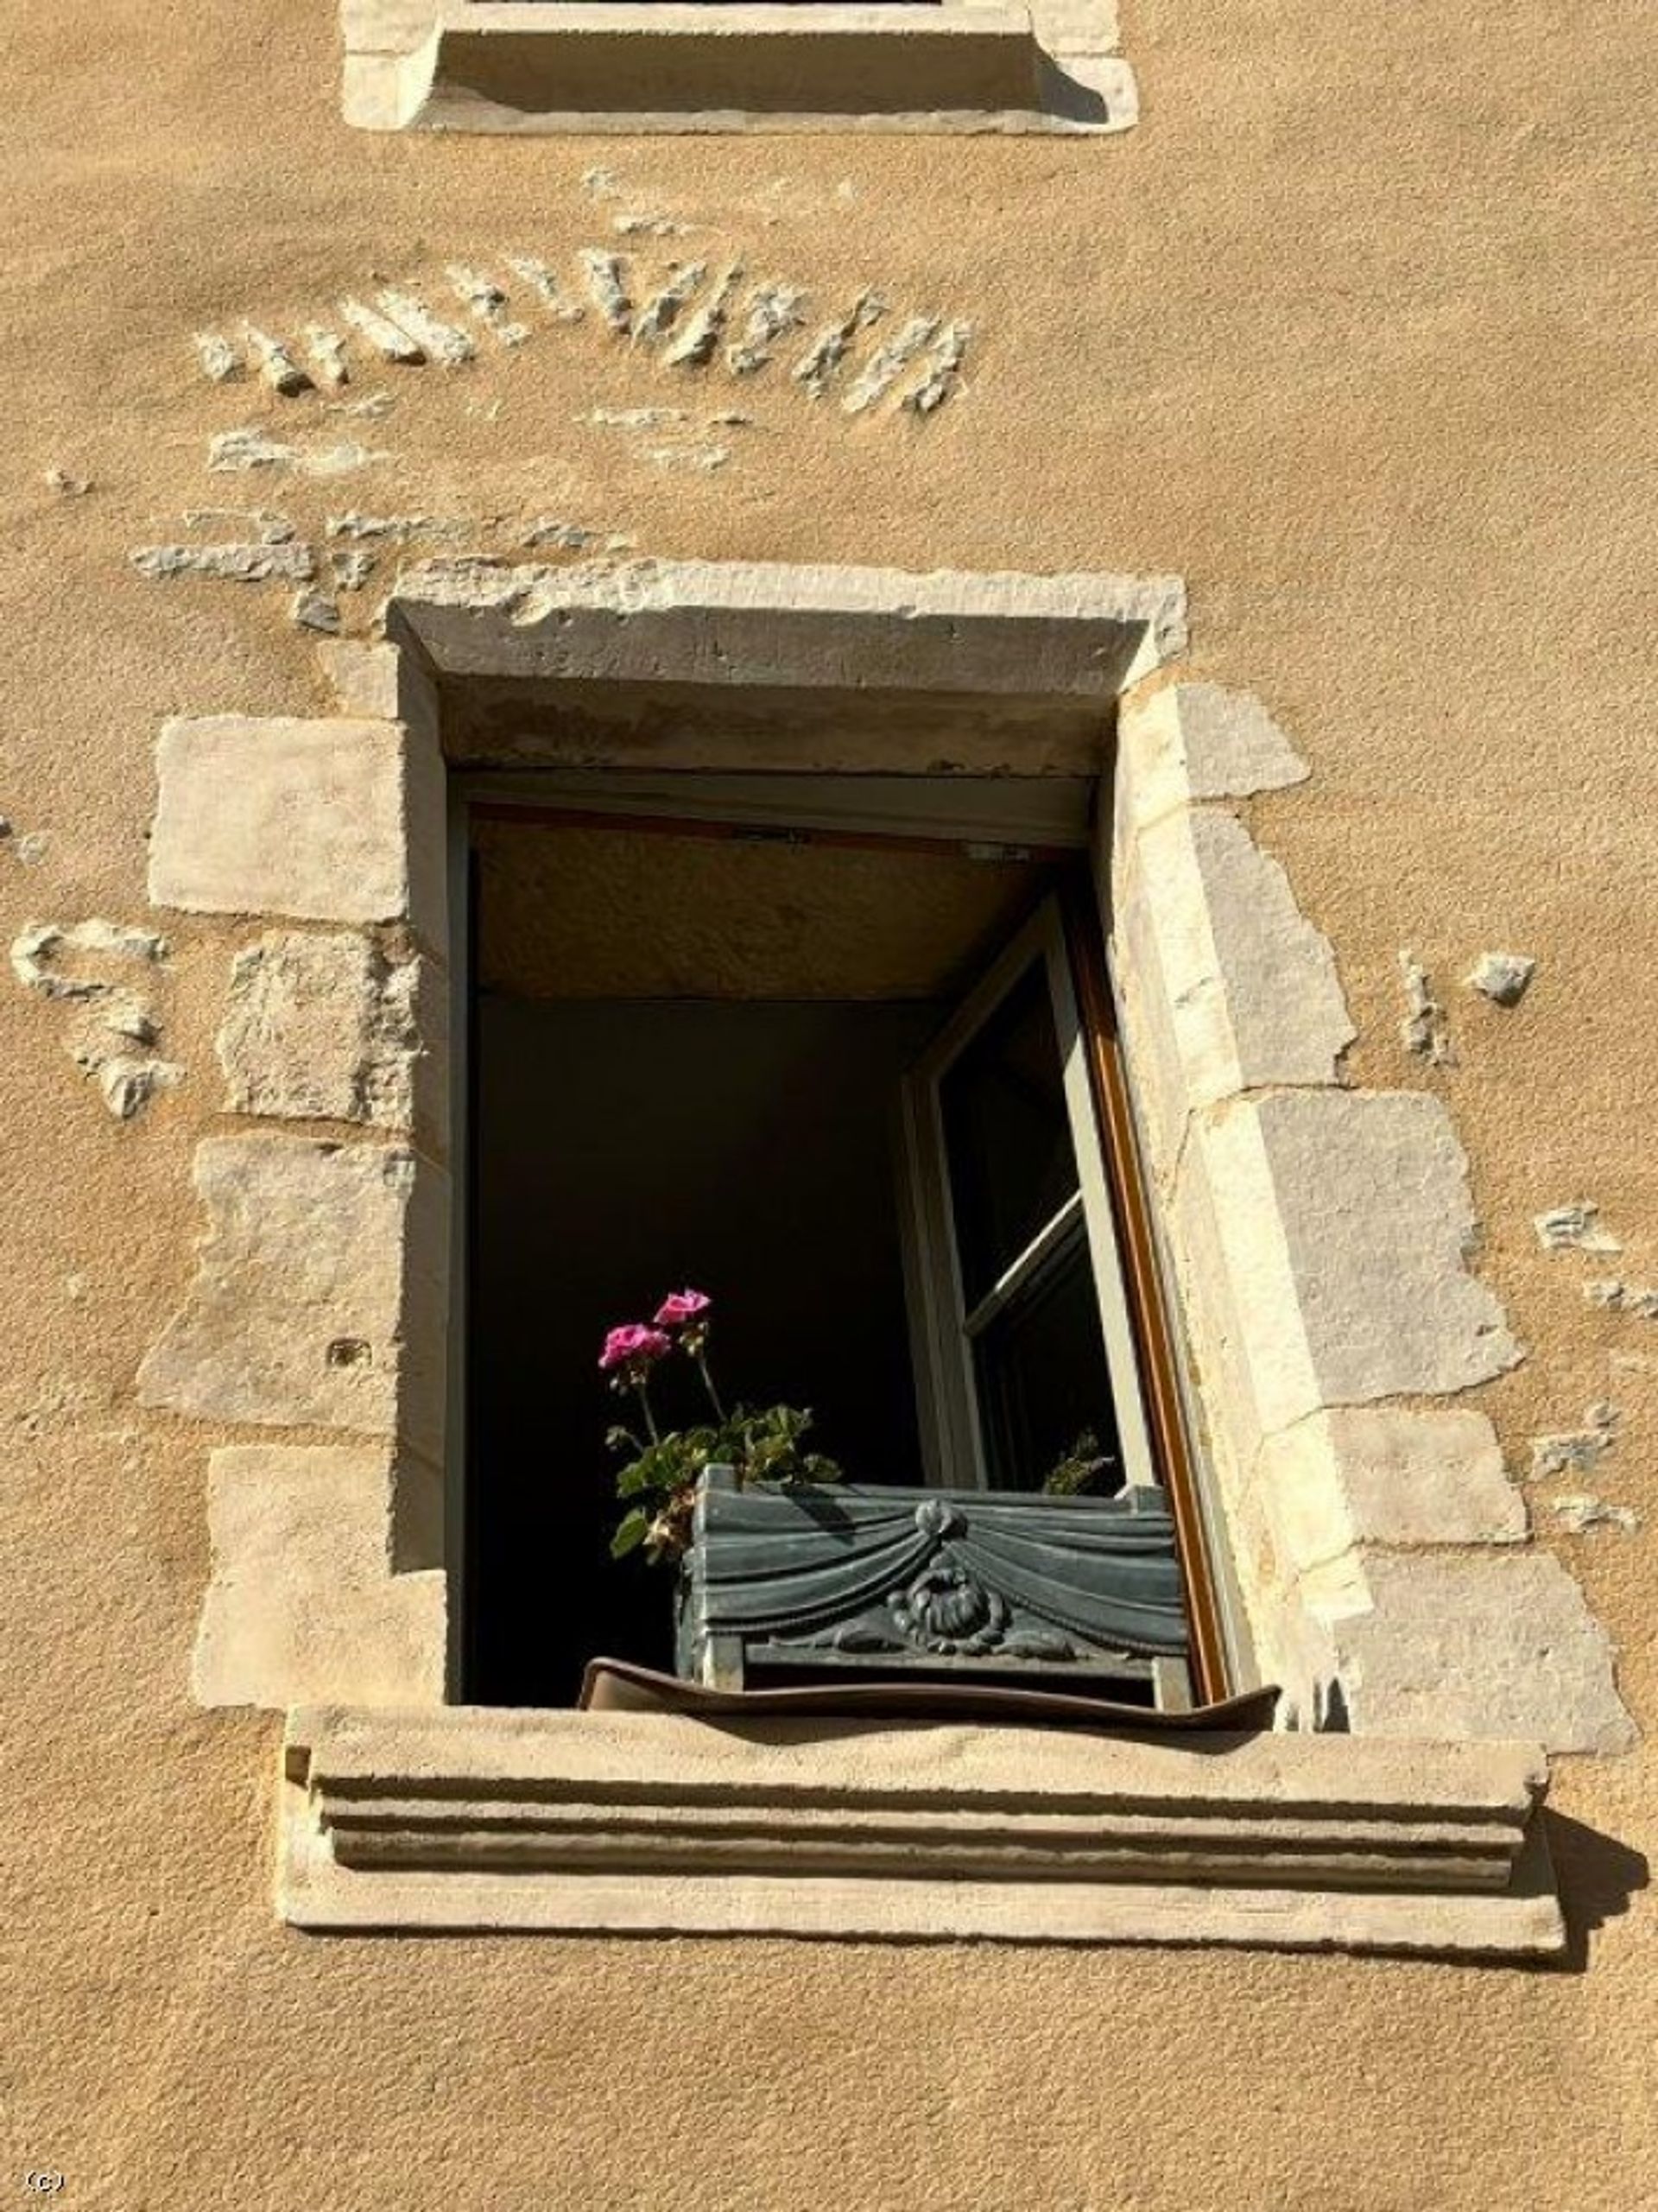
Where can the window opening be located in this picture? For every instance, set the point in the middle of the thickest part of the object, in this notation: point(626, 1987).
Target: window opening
point(819, 1051)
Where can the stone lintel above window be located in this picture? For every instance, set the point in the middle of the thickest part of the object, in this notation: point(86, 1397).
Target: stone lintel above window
point(682, 66)
point(633, 1823)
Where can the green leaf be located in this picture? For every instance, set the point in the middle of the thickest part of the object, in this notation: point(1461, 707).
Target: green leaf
point(630, 1534)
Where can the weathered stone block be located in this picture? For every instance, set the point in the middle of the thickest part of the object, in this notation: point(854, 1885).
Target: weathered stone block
point(1454, 1645)
point(1385, 1475)
point(319, 1295)
point(1195, 741)
point(364, 677)
point(1239, 989)
point(330, 1029)
point(1343, 1220)
point(303, 1603)
point(307, 818)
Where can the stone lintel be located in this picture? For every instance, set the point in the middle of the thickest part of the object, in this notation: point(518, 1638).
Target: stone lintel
point(458, 1818)
point(793, 626)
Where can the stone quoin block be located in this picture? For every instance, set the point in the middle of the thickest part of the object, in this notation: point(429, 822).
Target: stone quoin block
point(1452, 1643)
point(1342, 1220)
point(320, 1292)
point(1385, 1474)
point(1234, 989)
point(310, 819)
point(303, 1602)
point(329, 1028)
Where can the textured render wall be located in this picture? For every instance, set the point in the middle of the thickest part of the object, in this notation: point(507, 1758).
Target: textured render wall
point(1346, 333)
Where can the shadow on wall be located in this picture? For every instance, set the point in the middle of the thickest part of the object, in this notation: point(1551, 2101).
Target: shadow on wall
point(1598, 1878)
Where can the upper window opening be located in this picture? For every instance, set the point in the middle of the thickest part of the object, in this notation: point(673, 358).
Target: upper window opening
point(646, 66)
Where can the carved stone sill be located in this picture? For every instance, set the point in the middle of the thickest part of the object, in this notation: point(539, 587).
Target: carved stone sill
point(645, 66)
point(477, 1819)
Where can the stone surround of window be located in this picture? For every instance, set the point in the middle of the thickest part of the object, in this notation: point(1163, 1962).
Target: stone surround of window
point(1316, 1234)
point(641, 67)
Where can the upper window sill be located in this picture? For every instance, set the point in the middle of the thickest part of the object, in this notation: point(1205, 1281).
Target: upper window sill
point(476, 1819)
point(647, 66)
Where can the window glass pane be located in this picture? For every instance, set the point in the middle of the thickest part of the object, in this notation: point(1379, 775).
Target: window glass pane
point(1007, 1135)
point(1041, 1373)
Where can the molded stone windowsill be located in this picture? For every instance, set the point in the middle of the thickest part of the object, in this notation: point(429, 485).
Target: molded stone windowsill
point(481, 1819)
point(654, 65)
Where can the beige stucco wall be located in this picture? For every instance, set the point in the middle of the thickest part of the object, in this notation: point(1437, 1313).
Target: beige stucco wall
point(1349, 332)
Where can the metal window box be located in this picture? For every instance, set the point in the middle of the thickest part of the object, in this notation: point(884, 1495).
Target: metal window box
point(787, 1586)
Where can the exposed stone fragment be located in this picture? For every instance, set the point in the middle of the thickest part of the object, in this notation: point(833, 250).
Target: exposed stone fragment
point(272, 528)
point(1575, 1451)
point(889, 362)
point(372, 406)
point(439, 340)
point(229, 564)
point(1575, 1227)
point(607, 285)
point(397, 527)
point(1622, 1298)
point(773, 309)
point(1424, 1027)
point(218, 357)
point(316, 610)
point(128, 1084)
point(31, 847)
point(37, 953)
point(487, 302)
point(350, 571)
point(231, 451)
point(633, 418)
point(545, 284)
point(573, 537)
point(309, 1244)
point(277, 364)
point(113, 1030)
point(1502, 977)
point(818, 365)
point(1579, 1513)
point(383, 334)
point(327, 353)
point(601, 184)
point(650, 226)
point(661, 311)
point(702, 459)
point(944, 370)
point(699, 336)
point(321, 1028)
point(69, 487)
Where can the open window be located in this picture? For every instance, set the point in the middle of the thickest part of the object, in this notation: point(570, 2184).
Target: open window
point(830, 1049)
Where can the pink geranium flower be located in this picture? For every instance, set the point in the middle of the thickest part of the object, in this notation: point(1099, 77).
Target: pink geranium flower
point(634, 1348)
point(681, 1308)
